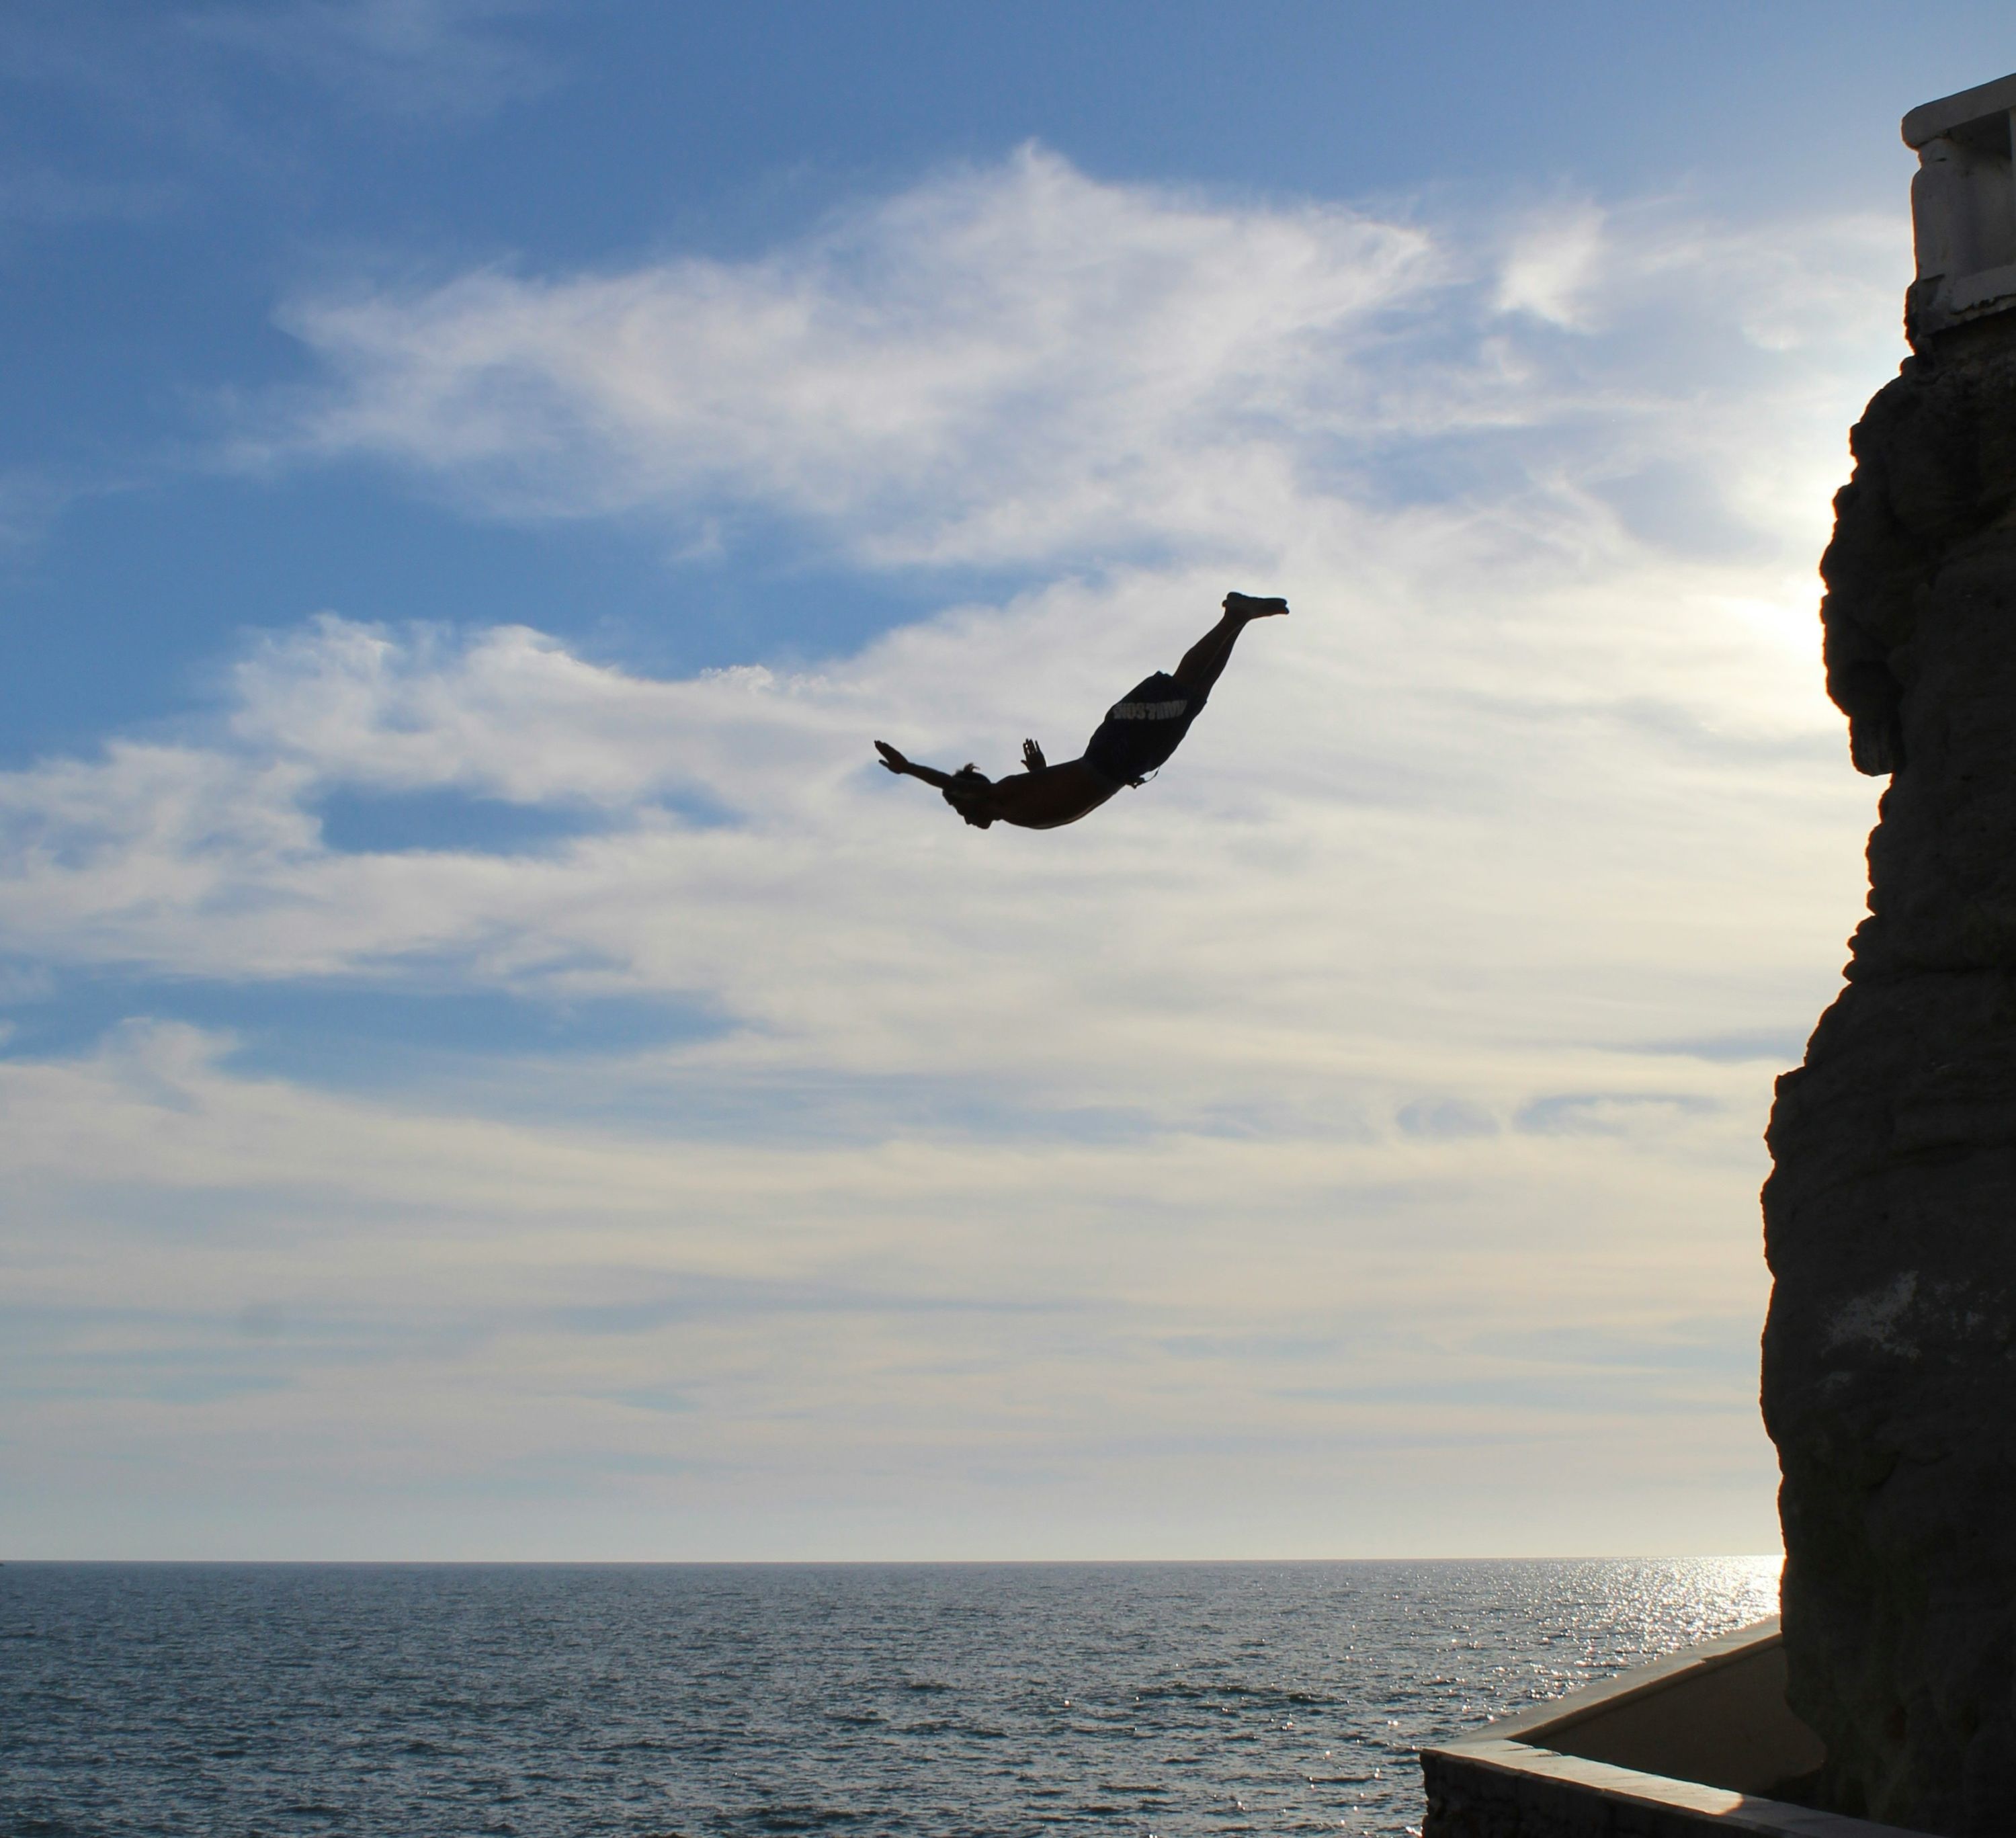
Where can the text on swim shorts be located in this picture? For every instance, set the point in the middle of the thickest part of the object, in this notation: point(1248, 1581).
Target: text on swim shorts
point(1146, 711)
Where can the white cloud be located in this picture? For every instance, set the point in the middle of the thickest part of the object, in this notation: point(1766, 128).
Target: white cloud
point(1365, 1027)
point(345, 1316)
point(1554, 262)
point(1011, 363)
point(1020, 364)
point(1377, 812)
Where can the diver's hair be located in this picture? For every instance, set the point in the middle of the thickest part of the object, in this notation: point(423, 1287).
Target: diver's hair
point(967, 784)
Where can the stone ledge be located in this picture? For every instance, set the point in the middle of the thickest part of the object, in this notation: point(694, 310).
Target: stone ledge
point(1930, 120)
point(1489, 1788)
point(1676, 1750)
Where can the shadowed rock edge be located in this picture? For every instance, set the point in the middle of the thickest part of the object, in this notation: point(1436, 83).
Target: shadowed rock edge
point(1888, 1215)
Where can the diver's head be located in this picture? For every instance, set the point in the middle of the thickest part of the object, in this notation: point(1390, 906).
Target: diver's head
point(968, 794)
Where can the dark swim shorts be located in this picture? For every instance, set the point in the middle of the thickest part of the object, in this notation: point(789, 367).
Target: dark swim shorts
point(1142, 731)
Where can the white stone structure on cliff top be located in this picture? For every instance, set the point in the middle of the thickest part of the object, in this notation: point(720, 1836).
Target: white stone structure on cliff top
point(1963, 206)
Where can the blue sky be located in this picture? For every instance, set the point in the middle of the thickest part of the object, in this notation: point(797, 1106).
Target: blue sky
point(476, 1031)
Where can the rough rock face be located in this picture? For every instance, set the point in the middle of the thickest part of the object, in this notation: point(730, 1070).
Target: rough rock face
point(1890, 1219)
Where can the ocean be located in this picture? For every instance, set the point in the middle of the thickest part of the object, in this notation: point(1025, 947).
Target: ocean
point(713, 1701)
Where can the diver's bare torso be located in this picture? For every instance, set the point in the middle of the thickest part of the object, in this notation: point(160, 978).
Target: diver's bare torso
point(1040, 796)
point(1046, 797)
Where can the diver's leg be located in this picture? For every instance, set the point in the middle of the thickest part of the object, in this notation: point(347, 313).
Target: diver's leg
point(1204, 662)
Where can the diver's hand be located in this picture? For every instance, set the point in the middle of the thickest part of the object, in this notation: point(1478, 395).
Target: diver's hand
point(891, 758)
point(1032, 757)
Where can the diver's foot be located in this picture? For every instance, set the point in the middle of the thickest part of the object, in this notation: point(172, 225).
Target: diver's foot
point(1247, 606)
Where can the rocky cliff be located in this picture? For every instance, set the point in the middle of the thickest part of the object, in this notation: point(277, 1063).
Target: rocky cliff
point(1890, 1217)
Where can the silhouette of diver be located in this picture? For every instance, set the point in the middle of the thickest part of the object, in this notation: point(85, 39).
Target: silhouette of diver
point(1138, 734)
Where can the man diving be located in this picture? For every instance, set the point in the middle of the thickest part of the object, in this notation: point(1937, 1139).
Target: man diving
point(1137, 736)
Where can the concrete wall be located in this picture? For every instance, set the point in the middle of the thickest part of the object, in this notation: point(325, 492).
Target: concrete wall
point(1679, 1750)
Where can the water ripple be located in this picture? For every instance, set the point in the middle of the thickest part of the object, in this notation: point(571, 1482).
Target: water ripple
point(172, 1701)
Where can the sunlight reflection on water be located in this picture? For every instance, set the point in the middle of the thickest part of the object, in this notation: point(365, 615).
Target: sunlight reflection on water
point(717, 1700)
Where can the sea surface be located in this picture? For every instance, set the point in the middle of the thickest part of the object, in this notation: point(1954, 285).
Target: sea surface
point(708, 1701)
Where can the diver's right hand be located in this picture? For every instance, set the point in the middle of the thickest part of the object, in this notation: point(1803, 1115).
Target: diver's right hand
point(891, 758)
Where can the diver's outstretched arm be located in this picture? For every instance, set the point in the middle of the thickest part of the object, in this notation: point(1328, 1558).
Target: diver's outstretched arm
point(909, 769)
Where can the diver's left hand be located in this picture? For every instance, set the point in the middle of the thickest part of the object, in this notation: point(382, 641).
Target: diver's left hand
point(1032, 757)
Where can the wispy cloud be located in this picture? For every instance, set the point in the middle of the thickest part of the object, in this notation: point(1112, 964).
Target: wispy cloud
point(1019, 364)
point(1555, 265)
point(1015, 361)
point(1329, 761)
point(243, 1285)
